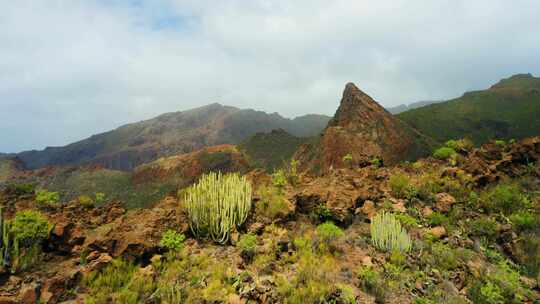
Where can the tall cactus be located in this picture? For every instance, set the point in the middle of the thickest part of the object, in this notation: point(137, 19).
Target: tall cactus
point(5, 248)
point(217, 204)
point(387, 233)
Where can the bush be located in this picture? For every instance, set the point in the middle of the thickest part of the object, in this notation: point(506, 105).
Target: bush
point(21, 189)
point(172, 240)
point(373, 282)
point(407, 220)
point(99, 197)
point(399, 184)
point(483, 226)
point(348, 159)
point(464, 144)
point(444, 153)
point(328, 233)
point(506, 199)
point(47, 198)
point(524, 220)
point(437, 219)
point(279, 179)
point(217, 204)
point(86, 201)
point(273, 204)
point(388, 235)
point(21, 238)
point(247, 245)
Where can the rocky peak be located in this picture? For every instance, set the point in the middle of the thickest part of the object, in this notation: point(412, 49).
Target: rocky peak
point(356, 109)
point(364, 130)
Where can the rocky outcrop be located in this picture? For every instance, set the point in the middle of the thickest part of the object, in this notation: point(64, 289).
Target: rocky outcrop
point(365, 131)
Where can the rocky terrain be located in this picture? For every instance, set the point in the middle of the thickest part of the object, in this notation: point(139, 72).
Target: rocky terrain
point(366, 213)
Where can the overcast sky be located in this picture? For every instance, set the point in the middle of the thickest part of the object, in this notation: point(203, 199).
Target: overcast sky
point(70, 69)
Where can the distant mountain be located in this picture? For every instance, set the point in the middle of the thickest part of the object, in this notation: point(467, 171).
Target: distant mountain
point(402, 108)
point(362, 130)
point(508, 109)
point(169, 134)
point(271, 150)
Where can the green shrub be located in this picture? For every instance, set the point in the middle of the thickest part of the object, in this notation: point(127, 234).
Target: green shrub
point(524, 220)
point(21, 239)
point(373, 282)
point(172, 240)
point(99, 197)
point(444, 153)
point(399, 184)
point(21, 189)
point(47, 198)
point(387, 233)
point(321, 213)
point(86, 201)
point(437, 219)
point(348, 159)
point(507, 199)
point(279, 179)
point(273, 203)
point(464, 143)
point(217, 204)
point(376, 162)
point(407, 220)
point(247, 243)
point(500, 142)
point(484, 226)
point(328, 233)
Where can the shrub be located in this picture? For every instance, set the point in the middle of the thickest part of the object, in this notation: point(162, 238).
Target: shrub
point(247, 245)
point(500, 142)
point(328, 233)
point(507, 199)
point(292, 174)
point(86, 201)
point(399, 184)
point(172, 240)
point(376, 162)
point(47, 198)
point(437, 219)
point(273, 204)
point(348, 159)
point(407, 220)
point(373, 282)
point(21, 189)
point(217, 204)
point(21, 238)
point(279, 180)
point(388, 235)
point(444, 153)
point(483, 226)
point(99, 197)
point(321, 213)
point(523, 220)
point(465, 144)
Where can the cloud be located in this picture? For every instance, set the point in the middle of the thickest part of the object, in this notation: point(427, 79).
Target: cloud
point(69, 68)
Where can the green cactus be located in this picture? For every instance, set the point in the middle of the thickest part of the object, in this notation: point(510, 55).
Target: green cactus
point(217, 204)
point(388, 235)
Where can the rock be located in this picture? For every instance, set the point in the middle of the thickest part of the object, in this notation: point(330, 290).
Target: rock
point(364, 130)
point(399, 206)
point(427, 211)
point(437, 232)
point(369, 209)
point(30, 293)
point(156, 258)
point(8, 300)
point(92, 256)
point(99, 263)
point(366, 261)
point(444, 202)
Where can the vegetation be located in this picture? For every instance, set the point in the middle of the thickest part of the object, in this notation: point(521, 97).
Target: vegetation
point(273, 204)
point(388, 235)
point(217, 204)
point(444, 153)
point(400, 185)
point(508, 110)
point(21, 239)
point(329, 235)
point(47, 198)
point(172, 240)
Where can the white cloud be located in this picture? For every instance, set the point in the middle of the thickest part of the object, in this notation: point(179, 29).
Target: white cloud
point(70, 68)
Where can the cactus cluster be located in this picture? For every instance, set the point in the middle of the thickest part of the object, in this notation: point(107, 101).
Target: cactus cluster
point(217, 204)
point(388, 235)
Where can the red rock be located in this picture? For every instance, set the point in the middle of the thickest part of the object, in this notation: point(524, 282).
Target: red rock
point(444, 202)
point(29, 293)
point(438, 232)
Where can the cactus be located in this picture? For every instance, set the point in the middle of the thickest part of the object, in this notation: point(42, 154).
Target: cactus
point(5, 242)
point(388, 235)
point(217, 204)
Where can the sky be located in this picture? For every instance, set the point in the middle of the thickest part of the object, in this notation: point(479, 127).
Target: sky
point(70, 68)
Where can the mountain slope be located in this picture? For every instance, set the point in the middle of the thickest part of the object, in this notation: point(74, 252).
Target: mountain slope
point(364, 130)
point(271, 150)
point(509, 109)
point(403, 107)
point(168, 134)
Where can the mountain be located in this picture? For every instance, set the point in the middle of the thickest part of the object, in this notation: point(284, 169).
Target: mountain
point(508, 109)
point(403, 107)
point(364, 130)
point(271, 150)
point(169, 134)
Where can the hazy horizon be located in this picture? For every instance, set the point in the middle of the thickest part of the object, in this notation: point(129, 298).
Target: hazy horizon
point(70, 69)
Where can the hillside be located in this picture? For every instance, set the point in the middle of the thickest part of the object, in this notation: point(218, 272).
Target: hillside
point(169, 134)
point(271, 150)
point(507, 110)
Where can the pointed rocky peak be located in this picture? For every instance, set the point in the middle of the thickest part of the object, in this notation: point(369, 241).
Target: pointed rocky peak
point(357, 108)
